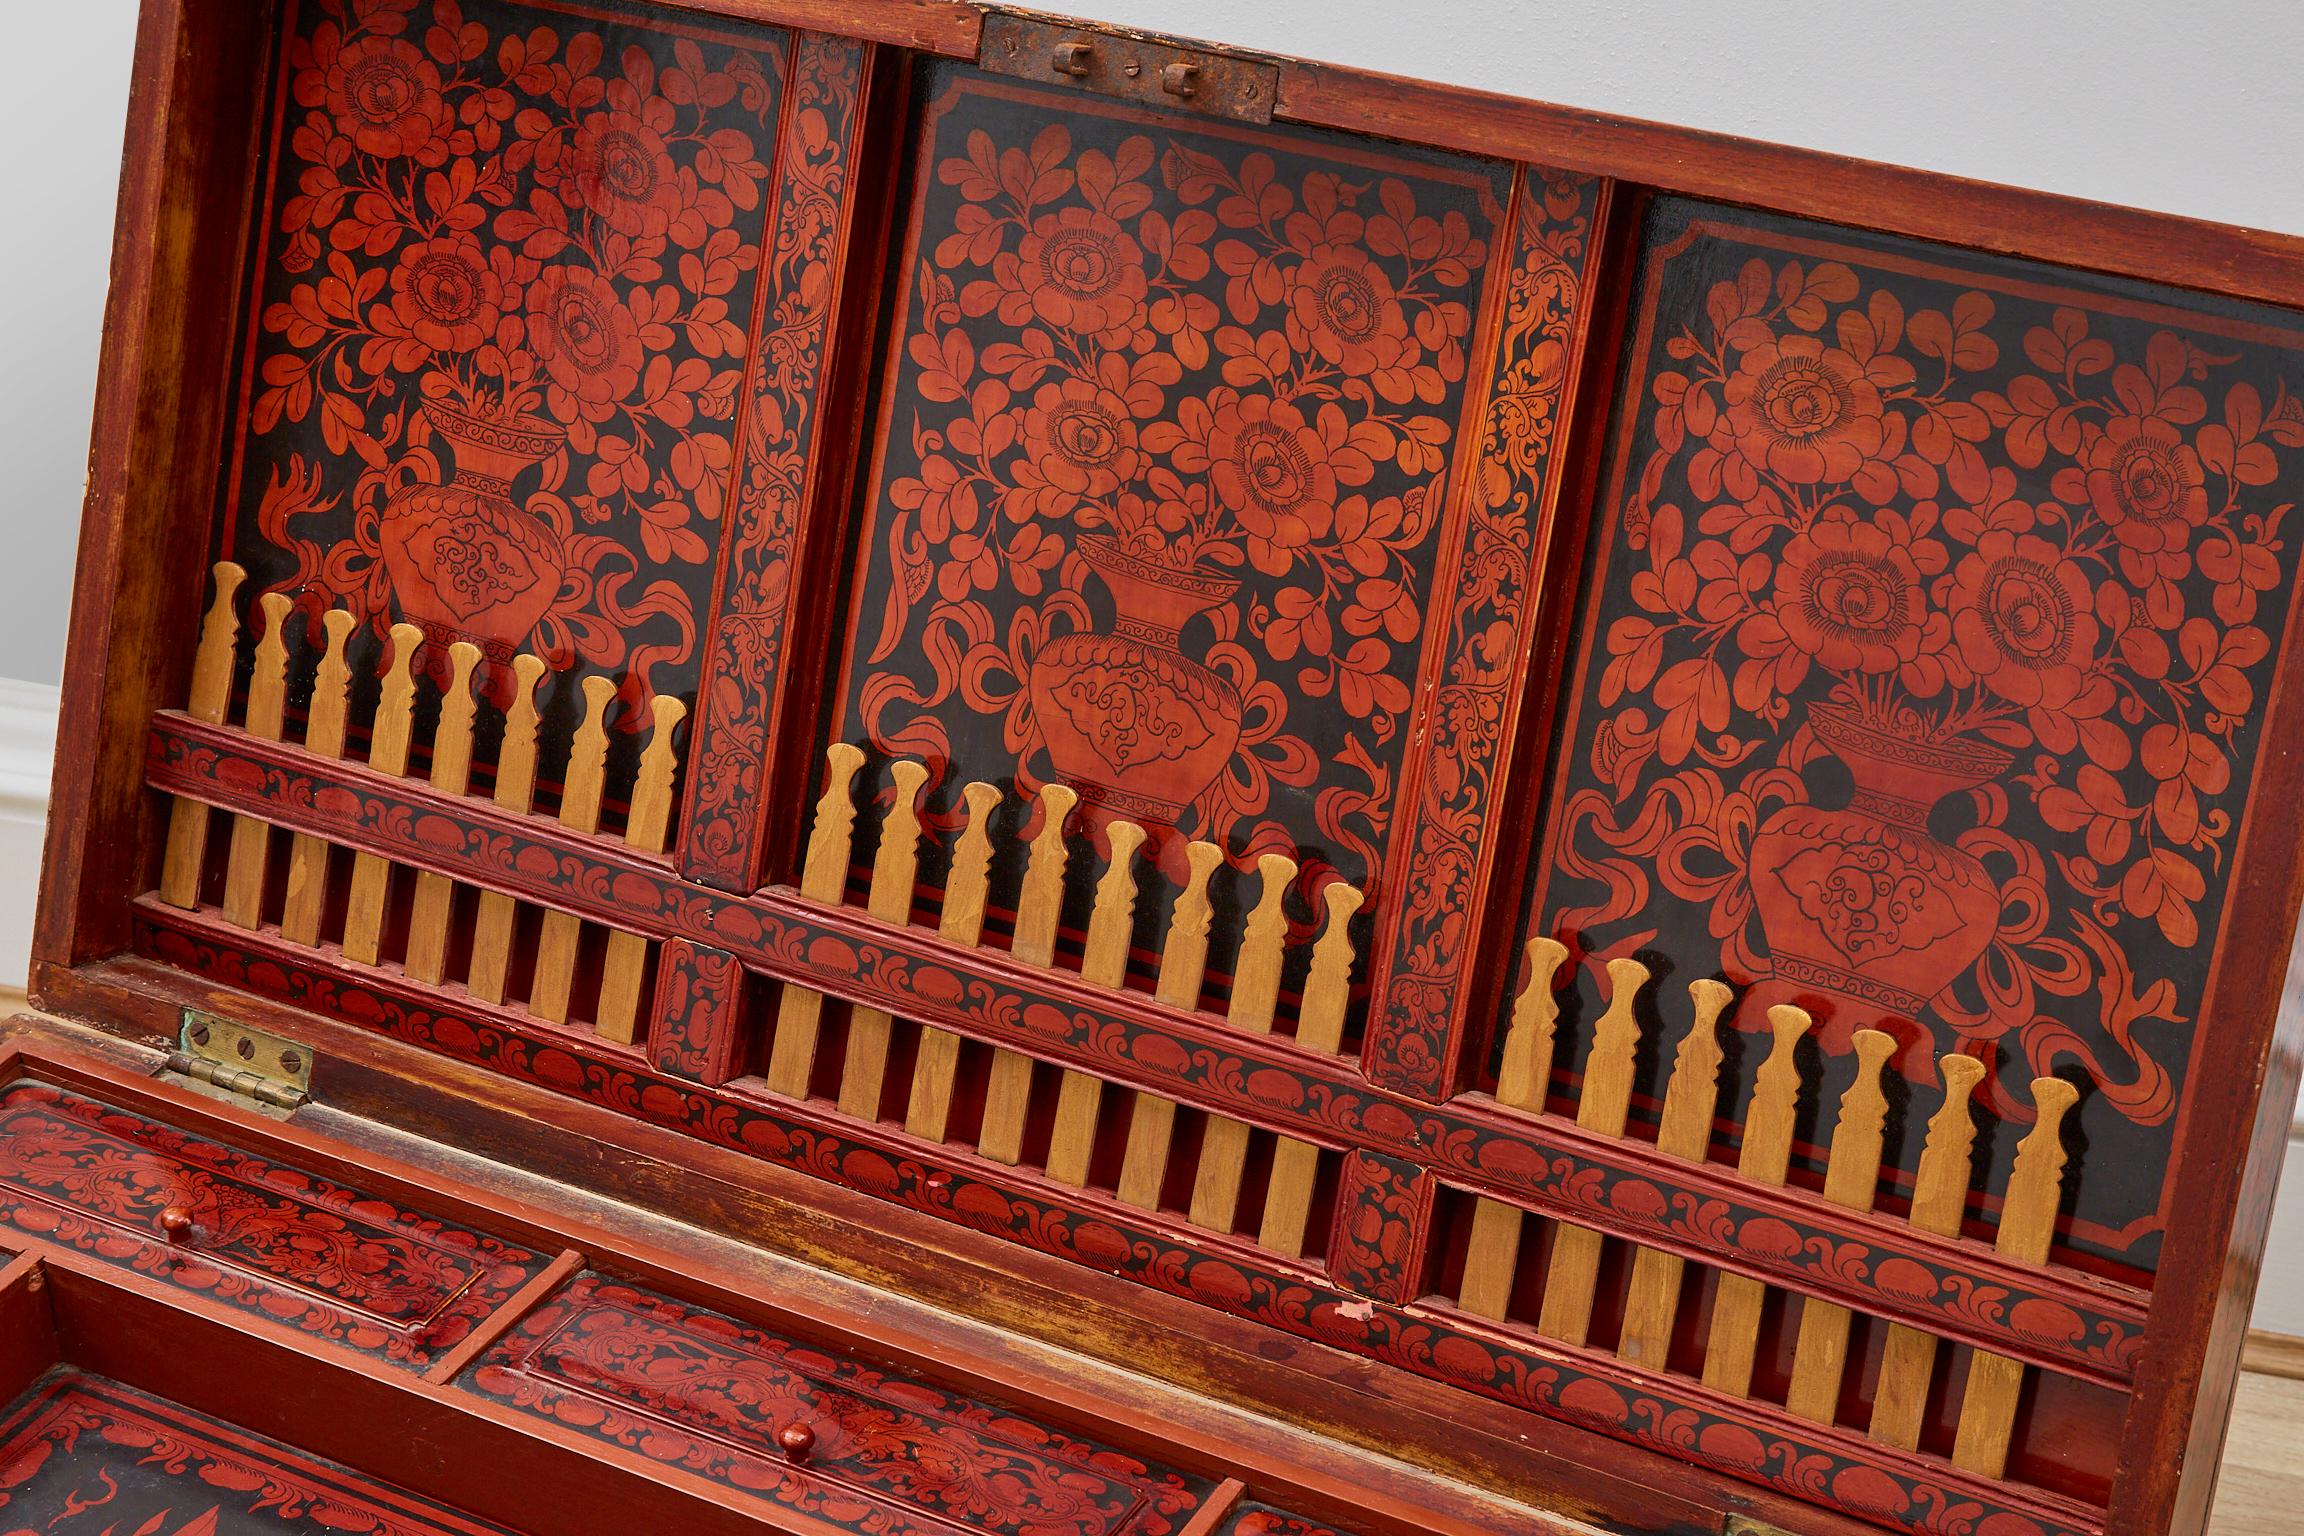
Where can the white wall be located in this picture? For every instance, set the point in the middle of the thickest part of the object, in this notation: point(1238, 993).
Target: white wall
point(2191, 109)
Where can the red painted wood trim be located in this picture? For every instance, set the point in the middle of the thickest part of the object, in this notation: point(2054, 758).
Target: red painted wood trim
point(1542, 1163)
point(500, 1322)
point(698, 1030)
point(1383, 1230)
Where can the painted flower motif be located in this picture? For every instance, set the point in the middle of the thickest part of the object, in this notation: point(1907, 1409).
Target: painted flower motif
point(1278, 473)
point(1804, 411)
point(1851, 596)
point(584, 335)
point(1079, 444)
point(1342, 305)
point(2146, 483)
point(385, 94)
point(624, 172)
point(446, 294)
point(1077, 270)
point(2024, 619)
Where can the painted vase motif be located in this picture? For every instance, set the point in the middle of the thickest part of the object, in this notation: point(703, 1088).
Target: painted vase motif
point(1861, 905)
point(466, 562)
point(1129, 721)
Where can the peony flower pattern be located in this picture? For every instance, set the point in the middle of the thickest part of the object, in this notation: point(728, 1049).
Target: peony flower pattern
point(1924, 663)
point(501, 329)
point(1165, 473)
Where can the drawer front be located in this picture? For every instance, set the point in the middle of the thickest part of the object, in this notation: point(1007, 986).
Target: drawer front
point(332, 1261)
point(783, 1421)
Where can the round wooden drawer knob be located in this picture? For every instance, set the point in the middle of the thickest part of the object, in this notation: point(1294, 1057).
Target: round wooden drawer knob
point(796, 1441)
point(176, 1224)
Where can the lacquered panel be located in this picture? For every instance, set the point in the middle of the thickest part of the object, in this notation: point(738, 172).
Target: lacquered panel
point(1933, 608)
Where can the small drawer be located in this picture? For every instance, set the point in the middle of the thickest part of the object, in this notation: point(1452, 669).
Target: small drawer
point(781, 1420)
point(244, 1231)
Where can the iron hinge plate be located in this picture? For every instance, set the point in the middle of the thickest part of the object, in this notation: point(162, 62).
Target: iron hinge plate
point(244, 1063)
point(1129, 66)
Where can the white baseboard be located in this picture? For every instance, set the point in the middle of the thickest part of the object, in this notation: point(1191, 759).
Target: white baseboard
point(28, 751)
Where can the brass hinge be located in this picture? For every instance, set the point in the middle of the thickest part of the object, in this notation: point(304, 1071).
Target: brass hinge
point(1745, 1525)
point(242, 1062)
point(1130, 66)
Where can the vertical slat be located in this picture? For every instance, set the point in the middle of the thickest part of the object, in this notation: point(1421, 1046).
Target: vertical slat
point(1851, 1179)
point(1183, 960)
point(895, 869)
point(1008, 1092)
point(267, 702)
point(1492, 1251)
point(580, 789)
point(1766, 1155)
point(823, 876)
point(2027, 1227)
point(1255, 993)
point(1103, 961)
point(307, 899)
point(387, 753)
point(515, 791)
point(1939, 1197)
point(644, 829)
point(1605, 1100)
point(1684, 1131)
point(451, 771)
point(929, 1113)
point(1319, 1027)
point(211, 693)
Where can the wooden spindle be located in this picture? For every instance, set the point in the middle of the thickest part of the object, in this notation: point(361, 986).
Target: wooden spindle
point(1602, 1106)
point(1939, 1198)
point(515, 792)
point(1684, 1131)
point(2027, 1228)
point(1008, 1091)
point(895, 870)
point(823, 877)
point(1764, 1159)
point(1319, 1027)
point(388, 754)
point(1492, 1251)
point(307, 899)
point(1851, 1179)
point(1103, 961)
point(211, 694)
point(1183, 962)
point(580, 790)
point(937, 1066)
point(1255, 994)
point(451, 770)
point(267, 706)
point(645, 830)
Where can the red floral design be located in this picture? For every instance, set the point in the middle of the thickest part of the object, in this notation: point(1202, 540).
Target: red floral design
point(623, 169)
point(447, 294)
point(2146, 483)
point(383, 92)
point(2025, 620)
point(1853, 597)
point(1077, 270)
point(1808, 413)
point(586, 339)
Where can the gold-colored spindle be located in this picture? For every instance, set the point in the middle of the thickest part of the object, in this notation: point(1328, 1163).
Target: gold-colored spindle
point(895, 870)
point(267, 704)
point(388, 754)
point(1939, 1197)
point(1008, 1092)
point(307, 898)
point(929, 1113)
point(451, 768)
point(211, 694)
point(1684, 1131)
point(1319, 1027)
point(645, 830)
point(1103, 961)
point(1183, 962)
point(1766, 1155)
point(2027, 1227)
point(1255, 993)
point(1492, 1251)
point(580, 813)
point(1602, 1106)
point(823, 877)
point(515, 791)
point(1851, 1179)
